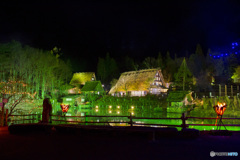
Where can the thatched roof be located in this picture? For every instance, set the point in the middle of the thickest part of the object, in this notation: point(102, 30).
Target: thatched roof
point(92, 86)
point(136, 80)
point(82, 77)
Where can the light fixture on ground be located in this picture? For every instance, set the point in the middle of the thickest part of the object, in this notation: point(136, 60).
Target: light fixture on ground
point(219, 109)
point(65, 108)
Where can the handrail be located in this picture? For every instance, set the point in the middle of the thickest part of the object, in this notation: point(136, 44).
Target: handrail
point(131, 122)
point(152, 118)
point(208, 118)
point(87, 116)
point(22, 115)
point(212, 124)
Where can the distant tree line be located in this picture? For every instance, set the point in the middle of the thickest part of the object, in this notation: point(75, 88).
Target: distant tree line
point(45, 72)
point(201, 66)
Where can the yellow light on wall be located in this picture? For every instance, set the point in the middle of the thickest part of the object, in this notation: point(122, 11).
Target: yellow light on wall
point(96, 110)
point(132, 107)
point(110, 106)
point(110, 111)
point(96, 106)
point(118, 106)
point(132, 113)
point(118, 112)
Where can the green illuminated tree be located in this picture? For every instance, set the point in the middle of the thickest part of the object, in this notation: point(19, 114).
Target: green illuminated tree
point(236, 74)
point(42, 71)
point(183, 78)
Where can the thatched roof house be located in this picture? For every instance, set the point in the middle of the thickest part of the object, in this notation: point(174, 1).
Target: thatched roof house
point(139, 83)
point(82, 77)
point(94, 87)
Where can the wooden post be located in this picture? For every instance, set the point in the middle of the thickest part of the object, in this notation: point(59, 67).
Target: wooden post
point(32, 118)
point(231, 90)
point(22, 118)
point(225, 90)
point(86, 118)
point(184, 126)
point(131, 122)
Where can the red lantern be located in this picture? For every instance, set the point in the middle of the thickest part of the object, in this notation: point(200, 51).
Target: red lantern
point(220, 108)
point(65, 107)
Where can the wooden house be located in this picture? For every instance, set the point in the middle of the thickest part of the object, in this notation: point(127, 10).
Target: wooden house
point(140, 83)
point(92, 87)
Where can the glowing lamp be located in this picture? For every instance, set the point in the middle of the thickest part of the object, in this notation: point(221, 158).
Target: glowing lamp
point(220, 108)
point(65, 107)
point(132, 107)
point(118, 106)
point(96, 106)
point(110, 106)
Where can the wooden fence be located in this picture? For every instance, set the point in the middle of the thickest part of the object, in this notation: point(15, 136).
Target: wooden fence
point(83, 120)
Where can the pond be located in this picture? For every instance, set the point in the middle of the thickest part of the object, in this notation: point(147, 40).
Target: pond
point(139, 112)
point(136, 111)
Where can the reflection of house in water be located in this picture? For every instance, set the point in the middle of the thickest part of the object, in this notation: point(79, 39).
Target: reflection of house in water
point(140, 83)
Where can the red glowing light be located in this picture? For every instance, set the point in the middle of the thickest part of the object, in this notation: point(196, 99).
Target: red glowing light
point(220, 108)
point(64, 107)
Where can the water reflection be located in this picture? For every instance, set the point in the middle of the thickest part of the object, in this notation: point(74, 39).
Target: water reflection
point(136, 111)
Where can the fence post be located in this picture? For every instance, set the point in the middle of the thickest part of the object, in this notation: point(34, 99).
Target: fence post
point(38, 117)
point(184, 126)
point(131, 122)
point(86, 118)
point(225, 90)
point(32, 118)
point(23, 119)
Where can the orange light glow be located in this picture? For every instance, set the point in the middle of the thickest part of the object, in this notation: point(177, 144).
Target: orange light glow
point(64, 107)
point(220, 108)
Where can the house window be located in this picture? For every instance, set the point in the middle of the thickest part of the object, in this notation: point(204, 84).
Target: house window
point(155, 91)
point(136, 93)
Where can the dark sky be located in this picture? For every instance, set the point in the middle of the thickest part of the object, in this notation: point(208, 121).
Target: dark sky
point(139, 29)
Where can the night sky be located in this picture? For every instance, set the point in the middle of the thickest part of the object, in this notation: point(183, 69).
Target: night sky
point(86, 30)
